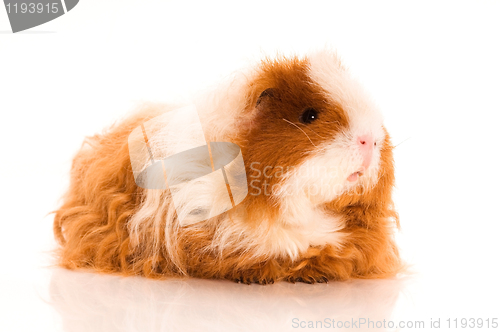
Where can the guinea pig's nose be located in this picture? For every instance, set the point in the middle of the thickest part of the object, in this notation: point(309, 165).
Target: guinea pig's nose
point(366, 145)
point(366, 141)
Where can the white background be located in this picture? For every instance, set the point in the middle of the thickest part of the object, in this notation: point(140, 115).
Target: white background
point(432, 66)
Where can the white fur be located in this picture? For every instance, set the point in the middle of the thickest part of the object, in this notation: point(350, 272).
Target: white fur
point(364, 117)
point(275, 238)
point(218, 111)
point(221, 110)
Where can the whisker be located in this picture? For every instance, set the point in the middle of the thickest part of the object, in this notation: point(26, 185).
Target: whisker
point(317, 134)
point(336, 122)
point(300, 130)
point(402, 142)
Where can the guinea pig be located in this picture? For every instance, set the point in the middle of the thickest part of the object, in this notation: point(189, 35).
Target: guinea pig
point(319, 170)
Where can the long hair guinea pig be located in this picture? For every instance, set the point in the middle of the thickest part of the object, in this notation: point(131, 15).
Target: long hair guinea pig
point(320, 173)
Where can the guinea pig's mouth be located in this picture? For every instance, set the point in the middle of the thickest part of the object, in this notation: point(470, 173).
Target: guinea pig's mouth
point(354, 176)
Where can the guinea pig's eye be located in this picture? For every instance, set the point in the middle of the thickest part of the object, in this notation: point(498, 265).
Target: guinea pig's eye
point(309, 115)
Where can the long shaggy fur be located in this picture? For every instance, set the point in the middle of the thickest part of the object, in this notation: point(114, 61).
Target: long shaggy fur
point(109, 224)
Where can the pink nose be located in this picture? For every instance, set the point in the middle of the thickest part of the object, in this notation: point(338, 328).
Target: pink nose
point(366, 145)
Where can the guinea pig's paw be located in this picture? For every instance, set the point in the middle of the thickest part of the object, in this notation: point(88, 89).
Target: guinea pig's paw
point(266, 281)
point(254, 280)
point(264, 272)
point(308, 276)
point(241, 280)
point(245, 280)
point(308, 279)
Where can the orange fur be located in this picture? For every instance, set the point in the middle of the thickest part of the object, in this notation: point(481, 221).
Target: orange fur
point(91, 225)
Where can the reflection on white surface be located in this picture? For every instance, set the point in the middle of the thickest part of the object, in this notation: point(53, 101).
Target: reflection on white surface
point(91, 302)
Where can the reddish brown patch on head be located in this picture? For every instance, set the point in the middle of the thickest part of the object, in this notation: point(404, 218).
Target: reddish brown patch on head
point(288, 118)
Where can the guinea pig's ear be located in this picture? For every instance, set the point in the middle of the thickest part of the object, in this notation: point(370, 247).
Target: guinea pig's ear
point(264, 96)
